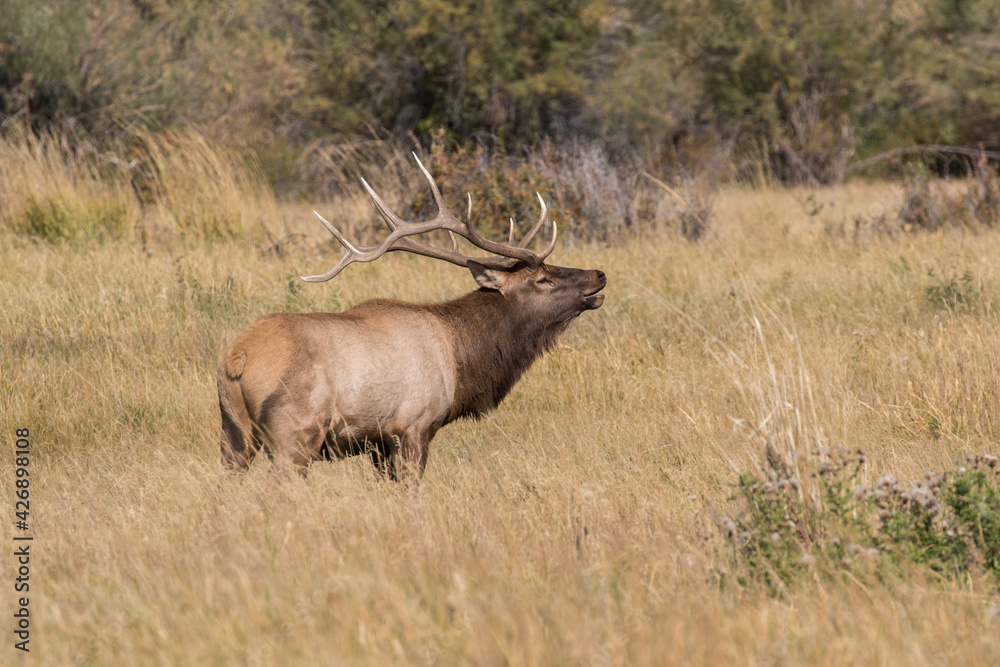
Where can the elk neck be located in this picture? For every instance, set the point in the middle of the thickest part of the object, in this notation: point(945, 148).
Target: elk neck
point(494, 343)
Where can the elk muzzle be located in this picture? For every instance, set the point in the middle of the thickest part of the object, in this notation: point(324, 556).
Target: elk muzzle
point(592, 299)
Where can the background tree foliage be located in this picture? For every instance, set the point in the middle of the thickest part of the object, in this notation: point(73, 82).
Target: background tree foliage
point(495, 70)
point(793, 88)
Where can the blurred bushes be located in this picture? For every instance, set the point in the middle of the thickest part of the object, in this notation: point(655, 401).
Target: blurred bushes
point(495, 71)
point(928, 206)
point(586, 193)
point(109, 65)
point(590, 197)
point(790, 91)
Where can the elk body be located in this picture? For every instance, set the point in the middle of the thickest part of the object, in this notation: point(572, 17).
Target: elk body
point(384, 376)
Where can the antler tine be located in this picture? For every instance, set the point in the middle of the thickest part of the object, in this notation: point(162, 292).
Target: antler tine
point(469, 232)
point(390, 218)
point(510, 235)
point(344, 261)
point(352, 255)
point(438, 199)
point(538, 224)
point(336, 233)
point(549, 248)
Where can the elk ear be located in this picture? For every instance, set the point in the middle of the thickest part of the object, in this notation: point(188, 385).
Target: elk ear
point(492, 275)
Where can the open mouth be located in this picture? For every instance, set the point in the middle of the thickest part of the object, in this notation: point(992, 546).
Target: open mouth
point(593, 299)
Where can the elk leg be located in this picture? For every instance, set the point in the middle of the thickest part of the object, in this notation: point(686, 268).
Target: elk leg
point(381, 455)
point(294, 449)
point(238, 449)
point(384, 454)
point(413, 454)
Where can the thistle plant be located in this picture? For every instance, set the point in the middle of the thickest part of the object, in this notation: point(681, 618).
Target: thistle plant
point(824, 519)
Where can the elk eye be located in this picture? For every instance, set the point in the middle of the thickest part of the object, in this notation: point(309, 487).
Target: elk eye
point(544, 281)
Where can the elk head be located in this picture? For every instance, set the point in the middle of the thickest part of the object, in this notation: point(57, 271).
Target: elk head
point(557, 294)
point(553, 294)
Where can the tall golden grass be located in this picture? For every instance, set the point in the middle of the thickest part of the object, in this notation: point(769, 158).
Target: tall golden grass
point(51, 186)
point(574, 525)
point(205, 192)
point(172, 185)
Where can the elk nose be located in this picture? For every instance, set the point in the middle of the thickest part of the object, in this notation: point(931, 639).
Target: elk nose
point(601, 276)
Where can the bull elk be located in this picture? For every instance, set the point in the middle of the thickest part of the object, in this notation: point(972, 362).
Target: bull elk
point(384, 376)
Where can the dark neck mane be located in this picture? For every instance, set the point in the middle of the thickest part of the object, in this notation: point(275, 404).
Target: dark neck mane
point(494, 345)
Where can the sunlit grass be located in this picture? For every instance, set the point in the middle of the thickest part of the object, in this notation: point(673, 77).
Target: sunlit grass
point(573, 525)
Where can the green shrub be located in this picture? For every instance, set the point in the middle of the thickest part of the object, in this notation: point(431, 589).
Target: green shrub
point(975, 501)
point(828, 521)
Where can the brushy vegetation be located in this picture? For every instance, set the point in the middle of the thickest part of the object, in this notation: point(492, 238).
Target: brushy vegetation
point(784, 91)
point(926, 206)
point(814, 516)
point(176, 186)
point(591, 198)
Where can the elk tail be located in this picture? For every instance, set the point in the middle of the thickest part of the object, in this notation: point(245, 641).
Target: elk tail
point(237, 441)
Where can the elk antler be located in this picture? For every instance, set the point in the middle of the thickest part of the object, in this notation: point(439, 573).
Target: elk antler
point(401, 229)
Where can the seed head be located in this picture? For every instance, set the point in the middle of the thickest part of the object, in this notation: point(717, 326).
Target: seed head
point(728, 527)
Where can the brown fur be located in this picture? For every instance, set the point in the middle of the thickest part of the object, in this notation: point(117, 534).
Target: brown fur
point(385, 376)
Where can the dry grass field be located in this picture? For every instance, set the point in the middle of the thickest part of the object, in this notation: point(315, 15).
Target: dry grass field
point(575, 525)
